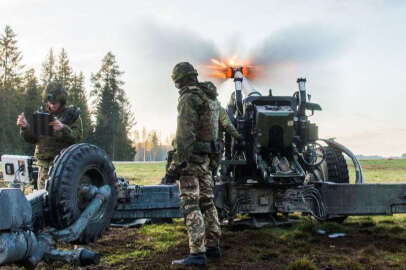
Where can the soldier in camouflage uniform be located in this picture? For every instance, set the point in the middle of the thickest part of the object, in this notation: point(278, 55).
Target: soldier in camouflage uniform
point(196, 136)
point(225, 125)
point(67, 128)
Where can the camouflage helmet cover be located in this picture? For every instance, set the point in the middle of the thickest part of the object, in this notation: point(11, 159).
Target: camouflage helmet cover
point(210, 89)
point(211, 86)
point(55, 92)
point(182, 70)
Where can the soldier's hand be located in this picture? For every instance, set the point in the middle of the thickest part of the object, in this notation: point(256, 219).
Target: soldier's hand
point(21, 121)
point(170, 178)
point(56, 125)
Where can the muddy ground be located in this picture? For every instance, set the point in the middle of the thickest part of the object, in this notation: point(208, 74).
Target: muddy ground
point(367, 246)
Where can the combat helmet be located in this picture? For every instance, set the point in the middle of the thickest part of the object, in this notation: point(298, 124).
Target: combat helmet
point(55, 92)
point(183, 70)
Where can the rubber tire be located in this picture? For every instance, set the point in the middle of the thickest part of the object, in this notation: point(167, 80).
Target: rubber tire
point(337, 172)
point(62, 188)
point(337, 169)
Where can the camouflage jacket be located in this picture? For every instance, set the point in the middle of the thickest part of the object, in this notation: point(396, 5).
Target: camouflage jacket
point(47, 147)
point(198, 117)
point(226, 125)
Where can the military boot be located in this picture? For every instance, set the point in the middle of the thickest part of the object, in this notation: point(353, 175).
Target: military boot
point(213, 252)
point(198, 259)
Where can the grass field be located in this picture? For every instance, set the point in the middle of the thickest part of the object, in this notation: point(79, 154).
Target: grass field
point(370, 242)
point(141, 174)
point(381, 171)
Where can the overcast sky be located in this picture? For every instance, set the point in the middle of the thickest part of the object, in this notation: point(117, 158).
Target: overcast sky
point(352, 53)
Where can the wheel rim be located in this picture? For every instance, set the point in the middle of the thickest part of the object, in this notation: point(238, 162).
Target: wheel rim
point(90, 178)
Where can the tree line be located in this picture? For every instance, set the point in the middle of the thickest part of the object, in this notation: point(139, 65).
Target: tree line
point(106, 123)
point(150, 145)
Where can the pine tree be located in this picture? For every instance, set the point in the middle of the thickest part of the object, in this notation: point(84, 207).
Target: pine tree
point(154, 145)
point(48, 69)
point(32, 101)
point(77, 97)
point(63, 70)
point(113, 115)
point(10, 91)
point(10, 59)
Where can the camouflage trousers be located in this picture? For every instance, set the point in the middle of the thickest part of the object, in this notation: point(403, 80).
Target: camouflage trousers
point(196, 193)
point(43, 169)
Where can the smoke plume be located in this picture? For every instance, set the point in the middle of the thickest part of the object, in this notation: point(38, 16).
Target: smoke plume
point(300, 44)
point(171, 45)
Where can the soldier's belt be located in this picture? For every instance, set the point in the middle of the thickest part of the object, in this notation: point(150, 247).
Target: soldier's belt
point(206, 147)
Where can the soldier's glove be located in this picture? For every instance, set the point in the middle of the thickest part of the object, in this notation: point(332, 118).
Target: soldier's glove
point(170, 178)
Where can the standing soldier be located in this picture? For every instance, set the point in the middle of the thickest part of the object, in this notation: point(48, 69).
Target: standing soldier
point(225, 125)
point(196, 137)
point(67, 128)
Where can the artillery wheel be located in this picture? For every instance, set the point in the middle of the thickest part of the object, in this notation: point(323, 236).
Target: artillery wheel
point(337, 172)
point(77, 166)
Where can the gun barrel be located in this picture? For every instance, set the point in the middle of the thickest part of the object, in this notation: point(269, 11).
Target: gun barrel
point(302, 96)
point(238, 78)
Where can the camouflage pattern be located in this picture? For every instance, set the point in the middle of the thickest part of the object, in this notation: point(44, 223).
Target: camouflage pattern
point(197, 121)
point(212, 226)
point(169, 159)
point(47, 147)
point(55, 93)
point(225, 125)
point(201, 218)
point(198, 118)
point(182, 70)
point(172, 168)
point(170, 164)
point(43, 169)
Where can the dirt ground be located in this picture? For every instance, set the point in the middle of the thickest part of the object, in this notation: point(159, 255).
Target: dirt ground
point(366, 246)
point(369, 243)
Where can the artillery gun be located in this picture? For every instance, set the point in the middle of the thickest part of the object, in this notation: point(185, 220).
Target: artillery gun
point(281, 166)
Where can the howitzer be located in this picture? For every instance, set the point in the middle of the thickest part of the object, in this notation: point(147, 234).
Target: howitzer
point(280, 167)
point(281, 164)
point(283, 167)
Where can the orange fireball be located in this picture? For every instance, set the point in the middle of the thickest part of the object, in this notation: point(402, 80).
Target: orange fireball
point(224, 68)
